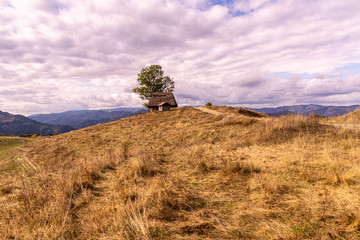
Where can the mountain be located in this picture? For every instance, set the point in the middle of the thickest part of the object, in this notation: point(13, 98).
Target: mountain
point(85, 118)
point(281, 113)
point(18, 124)
point(326, 111)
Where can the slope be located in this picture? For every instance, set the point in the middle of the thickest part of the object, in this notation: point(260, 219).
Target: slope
point(350, 118)
point(188, 174)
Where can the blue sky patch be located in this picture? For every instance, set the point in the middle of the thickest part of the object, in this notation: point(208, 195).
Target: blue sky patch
point(350, 69)
point(222, 2)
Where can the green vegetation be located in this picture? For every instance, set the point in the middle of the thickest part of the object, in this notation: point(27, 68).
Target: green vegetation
point(7, 143)
point(10, 142)
point(189, 174)
point(151, 79)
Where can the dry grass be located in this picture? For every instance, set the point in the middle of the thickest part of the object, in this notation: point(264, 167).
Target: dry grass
point(186, 174)
point(351, 118)
point(237, 111)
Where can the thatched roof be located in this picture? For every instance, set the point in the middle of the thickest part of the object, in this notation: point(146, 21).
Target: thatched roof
point(159, 98)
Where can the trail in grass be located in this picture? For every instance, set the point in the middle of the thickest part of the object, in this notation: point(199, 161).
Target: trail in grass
point(213, 112)
point(343, 125)
point(8, 152)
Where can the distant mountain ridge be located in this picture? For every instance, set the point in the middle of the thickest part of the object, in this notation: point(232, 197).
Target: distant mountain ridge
point(18, 124)
point(56, 123)
point(326, 111)
point(85, 118)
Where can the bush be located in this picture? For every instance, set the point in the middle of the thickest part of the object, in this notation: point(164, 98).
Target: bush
point(317, 116)
point(209, 104)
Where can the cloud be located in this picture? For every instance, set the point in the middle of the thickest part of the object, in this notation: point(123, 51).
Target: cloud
point(246, 6)
point(63, 55)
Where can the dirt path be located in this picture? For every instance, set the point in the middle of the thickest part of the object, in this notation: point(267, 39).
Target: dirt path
point(343, 125)
point(204, 109)
point(340, 125)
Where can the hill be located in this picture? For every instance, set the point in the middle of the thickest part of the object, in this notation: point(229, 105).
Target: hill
point(187, 174)
point(85, 118)
point(350, 118)
point(18, 124)
point(311, 109)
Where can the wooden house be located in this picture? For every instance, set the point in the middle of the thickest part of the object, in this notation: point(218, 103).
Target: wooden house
point(161, 101)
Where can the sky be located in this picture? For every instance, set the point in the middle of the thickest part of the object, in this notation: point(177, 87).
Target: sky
point(60, 55)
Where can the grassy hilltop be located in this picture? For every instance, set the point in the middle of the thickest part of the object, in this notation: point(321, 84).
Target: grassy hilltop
point(187, 174)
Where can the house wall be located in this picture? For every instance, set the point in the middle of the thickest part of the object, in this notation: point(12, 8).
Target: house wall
point(165, 108)
point(159, 108)
point(153, 109)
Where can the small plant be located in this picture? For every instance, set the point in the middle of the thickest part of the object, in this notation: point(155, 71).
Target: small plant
point(208, 104)
point(317, 116)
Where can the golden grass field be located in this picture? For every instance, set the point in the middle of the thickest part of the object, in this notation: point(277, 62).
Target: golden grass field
point(187, 174)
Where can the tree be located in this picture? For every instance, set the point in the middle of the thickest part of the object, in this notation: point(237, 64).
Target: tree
point(151, 79)
point(209, 104)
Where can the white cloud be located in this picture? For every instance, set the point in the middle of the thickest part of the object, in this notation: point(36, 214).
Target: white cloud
point(59, 54)
point(248, 5)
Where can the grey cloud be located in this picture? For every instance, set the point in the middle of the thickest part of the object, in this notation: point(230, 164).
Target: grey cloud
point(64, 43)
point(88, 54)
point(330, 87)
point(189, 96)
point(52, 6)
point(251, 83)
point(38, 60)
point(6, 44)
point(76, 63)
